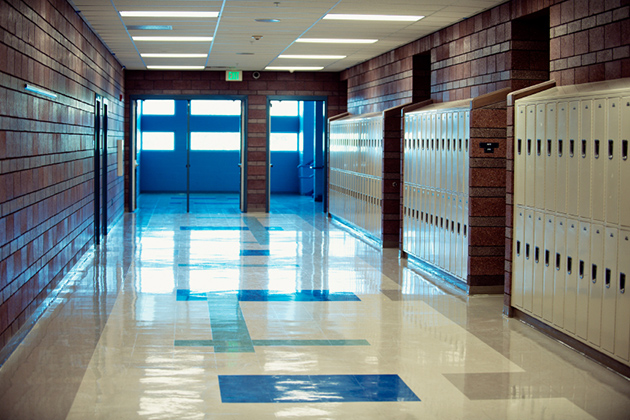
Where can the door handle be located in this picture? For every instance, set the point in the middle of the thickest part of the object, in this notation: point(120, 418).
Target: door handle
point(271, 165)
point(316, 167)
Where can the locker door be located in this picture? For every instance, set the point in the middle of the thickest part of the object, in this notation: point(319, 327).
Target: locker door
point(550, 156)
point(624, 161)
point(561, 158)
point(609, 298)
point(573, 159)
point(539, 266)
point(571, 297)
point(519, 155)
point(466, 149)
point(583, 265)
point(432, 151)
point(530, 156)
point(461, 208)
point(596, 275)
point(622, 319)
point(539, 156)
point(449, 150)
point(518, 257)
point(425, 228)
point(547, 258)
point(446, 258)
point(465, 240)
point(443, 150)
point(598, 157)
point(405, 221)
point(584, 165)
point(528, 263)
point(613, 152)
point(560, 257)
point(460, 151)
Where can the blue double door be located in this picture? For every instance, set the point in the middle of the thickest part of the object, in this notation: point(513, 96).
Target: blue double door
point(187, 151)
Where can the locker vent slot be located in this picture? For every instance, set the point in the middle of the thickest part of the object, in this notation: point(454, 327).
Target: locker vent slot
point(560, 147)
point(611, 148)
point(549, 144)
point(518, 146)
point(583, 148)
point(518, 248)
point(529, 146)
point(571, 148)
point(596, 149)
point(594, 273)
point(527, 251)
point(558, 260)
point(622, 282)
point(569, 265)
point(624, 149)
point(581, 269)
point(536, 254)
point(547, 257)
point(608, 274)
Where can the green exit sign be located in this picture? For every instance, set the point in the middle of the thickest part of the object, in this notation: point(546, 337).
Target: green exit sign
point(234, 76)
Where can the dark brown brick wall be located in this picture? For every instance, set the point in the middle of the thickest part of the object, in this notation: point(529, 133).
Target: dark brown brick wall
point(46, 149)
point(269, 84)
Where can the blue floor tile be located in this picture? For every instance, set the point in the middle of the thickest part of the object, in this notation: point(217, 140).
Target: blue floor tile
point(299, 296)
point(185, 294)
point(215, 228)
point(254, 252)
point(313, 388)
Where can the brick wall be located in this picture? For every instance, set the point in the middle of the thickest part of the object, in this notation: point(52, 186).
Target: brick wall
point(46, 149)
point(269, 84)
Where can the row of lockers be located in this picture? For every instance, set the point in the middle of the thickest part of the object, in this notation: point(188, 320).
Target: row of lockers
point(436, 149)
point(571, 274)
point(357, 145)
point(357, 198)
point(570, 157)
point(435, 228)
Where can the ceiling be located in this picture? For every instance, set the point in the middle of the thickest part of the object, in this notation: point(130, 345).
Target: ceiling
point(234, 31)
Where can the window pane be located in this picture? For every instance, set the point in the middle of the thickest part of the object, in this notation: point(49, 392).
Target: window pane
point(215, 107)
point(284, 108)
point(158, 141)
point(158, 107)
point(215, 141)
point(283, 142)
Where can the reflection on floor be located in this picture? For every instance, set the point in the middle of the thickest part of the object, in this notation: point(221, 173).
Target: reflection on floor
point(218, 314)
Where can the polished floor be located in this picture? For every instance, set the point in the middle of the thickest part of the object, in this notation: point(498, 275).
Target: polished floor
point(221, 315)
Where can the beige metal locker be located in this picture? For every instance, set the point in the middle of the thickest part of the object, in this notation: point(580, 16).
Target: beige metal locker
point(539, 157)
point(561, 158)
point(624, 162)
point(550, 156)
point(530, 156)
point(547, 261)
point(518, 257)
point(560, 287)
point(573, 158)
point(583, 150)
point(520, 177)
point(596, 273)
point(572, 300)
point(539, 267)
point(622, 319)
point(598, 156)
point(583, 265)
point(609, 297)
point(528, 264)
point(613, 152)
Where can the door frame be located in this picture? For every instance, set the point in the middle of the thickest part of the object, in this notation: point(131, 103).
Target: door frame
point(305, 98)
point(100, 167)
point(133, 99)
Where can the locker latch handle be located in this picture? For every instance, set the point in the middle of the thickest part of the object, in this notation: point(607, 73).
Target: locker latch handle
point(596, 149)
point(569, 265)
point(549, 146)
point(611, 149)
point(529, 146)
point(547, 257)
point(624, 149)
point(518, 248)
point(594, 273)
point(571, 147)
point(518, 146)
point(527, 251)
point(558, 260)
point(584, 148)
point(622, 282)
point(536, 254)
point(538, 147)
point(608, 274)
point(560, 147)
point(581, 269)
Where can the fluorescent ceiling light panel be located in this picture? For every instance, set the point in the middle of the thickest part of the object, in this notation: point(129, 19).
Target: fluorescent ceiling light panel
point(169, 14)
point(336, 41)
point(383, 18)
point(291, 68)
point(159, 55)
point(176, 67)
point(312, 57)
point(150, 27)
point(173, 38)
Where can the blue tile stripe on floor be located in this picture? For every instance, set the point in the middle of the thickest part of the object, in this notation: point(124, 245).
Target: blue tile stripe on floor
point(275, 296)
point(313, 388)
point(278, 343)
point(229, 330)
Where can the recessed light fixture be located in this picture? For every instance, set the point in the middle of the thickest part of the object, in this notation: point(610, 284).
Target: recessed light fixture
point(383, 18)
point(176, 67)
point(150, 27)
point(313, 57)
point(336, 41)
point(291, 68)
point(159, 55)
point(169, 14)
point(173, 38)
point(267, 20)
